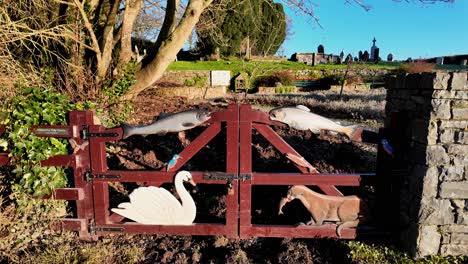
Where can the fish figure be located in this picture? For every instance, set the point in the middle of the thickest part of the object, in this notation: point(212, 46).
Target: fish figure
point(300, 118)
point(171, 123)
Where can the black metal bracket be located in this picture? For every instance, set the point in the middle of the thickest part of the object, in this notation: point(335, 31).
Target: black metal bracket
point(93, 229)
point(85, 134)
point(227, 176)
point(88, 176)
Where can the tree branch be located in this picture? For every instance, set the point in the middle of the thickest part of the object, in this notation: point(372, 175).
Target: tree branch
point(89, 28)
point(170, 21)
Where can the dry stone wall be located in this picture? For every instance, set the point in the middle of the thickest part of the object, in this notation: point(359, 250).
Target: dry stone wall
point(427, 116)
point(175, 83)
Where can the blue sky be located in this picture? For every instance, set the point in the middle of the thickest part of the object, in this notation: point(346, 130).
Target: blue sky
point(403, 29)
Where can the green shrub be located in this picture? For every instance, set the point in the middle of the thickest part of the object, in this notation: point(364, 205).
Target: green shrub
point(35, 106)
point(285, 89)
point(370, 254)
point(416, 67)
point(112, 111)
point(196, 81)
point(286, 78)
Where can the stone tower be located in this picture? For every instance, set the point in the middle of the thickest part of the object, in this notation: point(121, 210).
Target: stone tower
point(372, 49)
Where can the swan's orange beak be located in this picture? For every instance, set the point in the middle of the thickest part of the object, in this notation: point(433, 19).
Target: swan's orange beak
point(194, 185)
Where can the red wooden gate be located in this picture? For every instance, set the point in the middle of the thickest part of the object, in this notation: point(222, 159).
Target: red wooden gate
point(91, 178)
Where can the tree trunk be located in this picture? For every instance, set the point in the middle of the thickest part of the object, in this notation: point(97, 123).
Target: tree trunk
point(131, 13)
point(169, 48)
point(108, 42)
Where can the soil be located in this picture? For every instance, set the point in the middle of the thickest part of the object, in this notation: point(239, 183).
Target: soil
point(328, 153)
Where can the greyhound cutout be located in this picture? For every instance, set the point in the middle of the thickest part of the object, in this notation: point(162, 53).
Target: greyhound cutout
point(344, 210)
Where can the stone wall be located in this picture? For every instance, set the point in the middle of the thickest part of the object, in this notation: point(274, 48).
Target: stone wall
point(427, 123)
point(174, 83)
point(178, 78)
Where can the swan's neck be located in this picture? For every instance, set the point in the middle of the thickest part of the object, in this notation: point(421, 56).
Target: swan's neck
point(185, 197)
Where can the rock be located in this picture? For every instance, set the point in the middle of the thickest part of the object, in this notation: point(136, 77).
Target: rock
point(428, 240)
point(454, 229)
point(454, 190)
point(452, 173)
point(458, 238)
point(458, 149)
point(461, 137)
point(460, 113)
point(458, 81)
point(440, 109)
point(447, 136)
point(453, 124)
point(460, 160)
point(435, 80)
point(454, 250)
point(435, 155)
point(462, 218)
point(436, 212)
point(459, 95)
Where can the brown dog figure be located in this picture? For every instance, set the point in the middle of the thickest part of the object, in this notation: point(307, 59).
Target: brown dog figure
point(341, 209)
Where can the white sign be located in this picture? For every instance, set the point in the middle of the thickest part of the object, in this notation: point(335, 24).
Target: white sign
point(220, 78)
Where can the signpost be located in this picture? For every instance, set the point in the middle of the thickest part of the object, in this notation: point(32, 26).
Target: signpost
point(220, 78)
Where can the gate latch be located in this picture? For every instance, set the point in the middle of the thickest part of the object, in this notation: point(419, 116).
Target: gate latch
point(89, 177)
point(93, 229)
point(85, 134)
point(227, 176)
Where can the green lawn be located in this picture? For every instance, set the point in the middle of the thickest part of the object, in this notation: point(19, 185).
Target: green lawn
point(236, 66)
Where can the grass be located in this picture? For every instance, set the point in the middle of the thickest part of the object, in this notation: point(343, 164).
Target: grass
point(236, 66)
point(359, 105)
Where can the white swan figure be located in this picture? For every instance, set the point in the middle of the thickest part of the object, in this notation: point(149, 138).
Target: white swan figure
point(157, 206)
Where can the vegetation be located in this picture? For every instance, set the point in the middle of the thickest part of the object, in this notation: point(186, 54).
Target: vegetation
point(285, 89)
point(236, 66)
point(416, 67)
point(242, 27)
point(35, 106)
point(365, 253)
point(276, 78)
point(197, 81)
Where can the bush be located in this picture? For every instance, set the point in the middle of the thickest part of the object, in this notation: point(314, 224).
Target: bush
point(285, 89)
point(416, 67)
point(286, 78)
point(197, 81)
point(35, 106)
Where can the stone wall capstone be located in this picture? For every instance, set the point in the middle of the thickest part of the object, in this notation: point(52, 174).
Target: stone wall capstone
point(429, 115)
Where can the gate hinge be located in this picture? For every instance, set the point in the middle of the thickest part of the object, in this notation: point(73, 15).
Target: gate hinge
point(85, 134)
point(93, 229)
point(89, 177)
point(227, 176)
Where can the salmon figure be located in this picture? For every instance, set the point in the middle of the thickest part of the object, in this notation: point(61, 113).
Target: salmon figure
point(170, 123)
point(300, 118)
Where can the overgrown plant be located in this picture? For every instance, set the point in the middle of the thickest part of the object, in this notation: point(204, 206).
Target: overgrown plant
point(416, 67)
point(35, 106)
point(196, 81)
point(364, 253)
point(111, 109)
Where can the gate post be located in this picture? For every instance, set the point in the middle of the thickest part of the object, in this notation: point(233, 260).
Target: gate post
point(232, 166)
point(431, 160)
point(84, 207)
